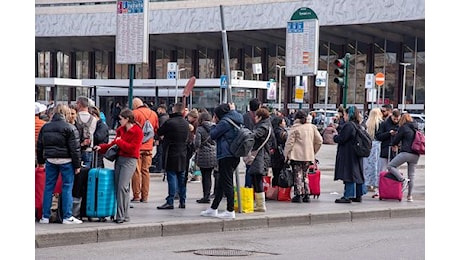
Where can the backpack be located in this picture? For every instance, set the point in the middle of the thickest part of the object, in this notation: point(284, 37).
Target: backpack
point(147, 129)
point(362, 143)
point(418, 144)
point(83, 129)
point(243, 142)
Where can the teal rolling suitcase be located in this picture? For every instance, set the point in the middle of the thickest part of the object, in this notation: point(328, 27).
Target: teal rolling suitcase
point(101, 196)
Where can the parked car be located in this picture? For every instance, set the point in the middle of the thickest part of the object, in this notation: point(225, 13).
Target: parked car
point(420, 119)
point(326, 117)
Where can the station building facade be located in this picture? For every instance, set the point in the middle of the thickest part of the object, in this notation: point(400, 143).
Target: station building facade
point(76, 39)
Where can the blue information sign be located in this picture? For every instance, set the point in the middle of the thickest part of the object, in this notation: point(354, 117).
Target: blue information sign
point(171, 75)
point(223, 81)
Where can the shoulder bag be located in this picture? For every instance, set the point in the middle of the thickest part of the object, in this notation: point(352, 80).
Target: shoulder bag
point(252, 154)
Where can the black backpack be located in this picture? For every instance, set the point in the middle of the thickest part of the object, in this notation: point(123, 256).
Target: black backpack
point(362, 143)
point(243, 142)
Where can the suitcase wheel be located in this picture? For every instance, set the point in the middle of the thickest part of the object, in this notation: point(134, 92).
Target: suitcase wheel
point(380, 198)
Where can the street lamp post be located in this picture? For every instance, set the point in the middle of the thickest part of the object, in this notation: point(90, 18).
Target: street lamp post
point(177, 79)
point(404, 85)
point(279, 85)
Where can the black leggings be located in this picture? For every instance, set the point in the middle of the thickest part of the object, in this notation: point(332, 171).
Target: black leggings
point(257, 183)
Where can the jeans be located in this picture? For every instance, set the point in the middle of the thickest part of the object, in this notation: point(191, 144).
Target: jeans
point(87, 158)
point(52, 173)
point(176, 180)
point(353, 190)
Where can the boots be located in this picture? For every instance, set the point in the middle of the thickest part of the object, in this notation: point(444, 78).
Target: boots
point(260, 202)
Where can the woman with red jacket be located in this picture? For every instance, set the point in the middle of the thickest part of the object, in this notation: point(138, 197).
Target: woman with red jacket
point(129, 139)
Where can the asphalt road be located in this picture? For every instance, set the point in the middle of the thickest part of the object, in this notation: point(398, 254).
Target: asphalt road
point(402, 238)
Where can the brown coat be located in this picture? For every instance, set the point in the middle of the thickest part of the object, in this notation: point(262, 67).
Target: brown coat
point(303, 142)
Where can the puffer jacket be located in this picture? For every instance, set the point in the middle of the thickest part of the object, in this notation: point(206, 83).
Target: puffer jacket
point(224, 133)
point(205, 146)
point(59, 139)
point(38, 125)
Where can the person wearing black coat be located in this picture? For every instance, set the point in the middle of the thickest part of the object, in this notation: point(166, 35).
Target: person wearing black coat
point(387, 130)
point(58, 145)
point(348, 166)
point(277, 157)
point(101, 134)
point(404, 139)
point(259, 167)
point(175, 133)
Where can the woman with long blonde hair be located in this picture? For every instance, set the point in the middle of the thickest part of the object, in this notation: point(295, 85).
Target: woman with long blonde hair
point(371, 163)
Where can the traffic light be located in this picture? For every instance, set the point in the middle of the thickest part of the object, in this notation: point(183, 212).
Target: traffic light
point(340, 72)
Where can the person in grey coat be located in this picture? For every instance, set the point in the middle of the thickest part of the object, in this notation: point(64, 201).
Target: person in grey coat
point(348, 166)
point(206, 157)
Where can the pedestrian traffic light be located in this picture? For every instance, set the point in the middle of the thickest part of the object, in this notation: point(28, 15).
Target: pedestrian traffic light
point(340, 72)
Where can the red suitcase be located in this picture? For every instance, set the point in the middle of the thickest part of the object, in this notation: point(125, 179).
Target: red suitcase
point(389, 187)
point(39, 189)
point(314, 180)
point(40, 177)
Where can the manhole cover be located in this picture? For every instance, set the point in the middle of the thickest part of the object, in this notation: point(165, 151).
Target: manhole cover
point(222, 252)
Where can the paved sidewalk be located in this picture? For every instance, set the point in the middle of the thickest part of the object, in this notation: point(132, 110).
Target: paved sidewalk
point(147, 221)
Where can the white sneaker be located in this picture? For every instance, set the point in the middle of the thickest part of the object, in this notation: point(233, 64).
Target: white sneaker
point(226, 215)
point(209, 213)
point(405, 184)
point(72, 220)
point(44, 221)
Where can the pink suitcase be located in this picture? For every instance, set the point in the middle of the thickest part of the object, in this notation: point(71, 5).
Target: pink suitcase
point(389, 187)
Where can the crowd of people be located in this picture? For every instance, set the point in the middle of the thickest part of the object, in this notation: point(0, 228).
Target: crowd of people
point(68, 138)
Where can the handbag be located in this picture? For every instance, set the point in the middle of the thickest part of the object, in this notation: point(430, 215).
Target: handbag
point(112, 153)
point(248, 159)
point(272, 193)
point(247, 199)
point(286, 177)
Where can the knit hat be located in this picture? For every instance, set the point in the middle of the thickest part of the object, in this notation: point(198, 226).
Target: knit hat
point(221, 110)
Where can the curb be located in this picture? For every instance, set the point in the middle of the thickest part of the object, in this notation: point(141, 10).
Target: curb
point(208, 225)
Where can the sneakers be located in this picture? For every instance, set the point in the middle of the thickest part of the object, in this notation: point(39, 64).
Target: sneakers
point(226, 215)
point(405, 184)
point(135, 200)
point(209, 213)
point(72, 220)
point(410, 199)
point(44, 221)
